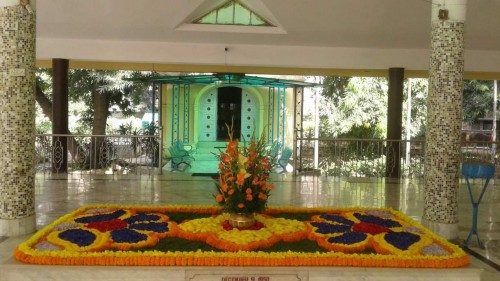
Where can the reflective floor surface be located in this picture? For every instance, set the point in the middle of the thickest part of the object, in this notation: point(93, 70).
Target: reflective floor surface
point(58, 196)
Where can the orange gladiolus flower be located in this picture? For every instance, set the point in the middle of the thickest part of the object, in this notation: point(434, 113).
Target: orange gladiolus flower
point(248, 191)
point(219, 198)
point(240, 179)
point(225, 158)
point(255, 180)
point(241, 206)
point(231, 191)
point(262, 196)
point(249, 197)
point(221, 166)
point(270, 187)
point(252, 155)
point(231, 147)
point(224, 187)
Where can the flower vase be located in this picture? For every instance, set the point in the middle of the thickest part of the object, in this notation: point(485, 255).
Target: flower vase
point(241, 220)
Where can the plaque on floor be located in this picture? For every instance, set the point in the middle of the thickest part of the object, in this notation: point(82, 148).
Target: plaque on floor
point(245, 274)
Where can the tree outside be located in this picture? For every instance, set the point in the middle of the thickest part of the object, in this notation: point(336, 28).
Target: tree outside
point(94, 95)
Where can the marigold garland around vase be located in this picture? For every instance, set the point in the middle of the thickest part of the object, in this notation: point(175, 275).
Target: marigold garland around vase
point(244, 169)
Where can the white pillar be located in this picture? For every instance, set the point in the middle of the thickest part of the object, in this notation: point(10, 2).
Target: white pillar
point(408, 125)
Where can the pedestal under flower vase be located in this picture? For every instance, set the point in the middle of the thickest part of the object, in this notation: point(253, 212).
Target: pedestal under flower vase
point(241, 220)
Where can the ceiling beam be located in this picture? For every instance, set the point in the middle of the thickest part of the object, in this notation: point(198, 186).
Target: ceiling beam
point(77, 64)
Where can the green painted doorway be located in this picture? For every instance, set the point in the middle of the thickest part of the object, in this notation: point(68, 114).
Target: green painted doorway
point(228, 111)
point(224, 105)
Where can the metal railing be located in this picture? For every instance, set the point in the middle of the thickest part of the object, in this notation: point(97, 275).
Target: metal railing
point(133, 154)
point(379, 158)
point(96, 154)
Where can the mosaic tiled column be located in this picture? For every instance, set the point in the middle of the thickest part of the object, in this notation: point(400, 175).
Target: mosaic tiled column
point(444, 118)
point(17, 118)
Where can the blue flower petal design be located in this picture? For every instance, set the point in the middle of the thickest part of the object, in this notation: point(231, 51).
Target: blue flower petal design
point(401, 240)
point(127, 236)
point(80, 237)
point(101, 217)
point(348, 238)
point(160, 227)
point(336, 218)
point(142, 218)
point(377, 220)
point(328, 228)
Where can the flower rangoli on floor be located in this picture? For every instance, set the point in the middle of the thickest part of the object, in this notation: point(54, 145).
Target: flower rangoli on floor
point(142, 235)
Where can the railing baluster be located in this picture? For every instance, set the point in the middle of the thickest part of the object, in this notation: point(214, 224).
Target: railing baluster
point(337, 157)
point(91, 154)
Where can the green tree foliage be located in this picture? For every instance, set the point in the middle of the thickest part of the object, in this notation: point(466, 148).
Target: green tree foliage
point(477, 99)
point(356, 107)
point(418, 107)
point(85, 85)
point(353, 107)
point(104, 86)
point(99, 90)
point(335, 88)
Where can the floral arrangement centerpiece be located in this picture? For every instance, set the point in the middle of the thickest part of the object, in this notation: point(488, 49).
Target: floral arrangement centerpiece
point(243, 187)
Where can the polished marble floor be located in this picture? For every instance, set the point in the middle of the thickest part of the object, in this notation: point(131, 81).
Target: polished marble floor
point(56, 196)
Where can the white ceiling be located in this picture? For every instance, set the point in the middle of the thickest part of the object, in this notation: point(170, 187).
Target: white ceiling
point(366, 34)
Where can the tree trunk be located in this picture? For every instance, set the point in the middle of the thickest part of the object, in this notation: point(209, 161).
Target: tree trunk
point(46, 106)
point(44, 102)
point(101, 150)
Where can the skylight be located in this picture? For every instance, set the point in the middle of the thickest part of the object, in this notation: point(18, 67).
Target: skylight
point(232, 13)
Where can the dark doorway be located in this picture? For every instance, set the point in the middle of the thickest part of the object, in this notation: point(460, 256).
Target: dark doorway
point(229, 110)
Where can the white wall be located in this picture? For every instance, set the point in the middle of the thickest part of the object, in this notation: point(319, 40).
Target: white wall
point(252, 55)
